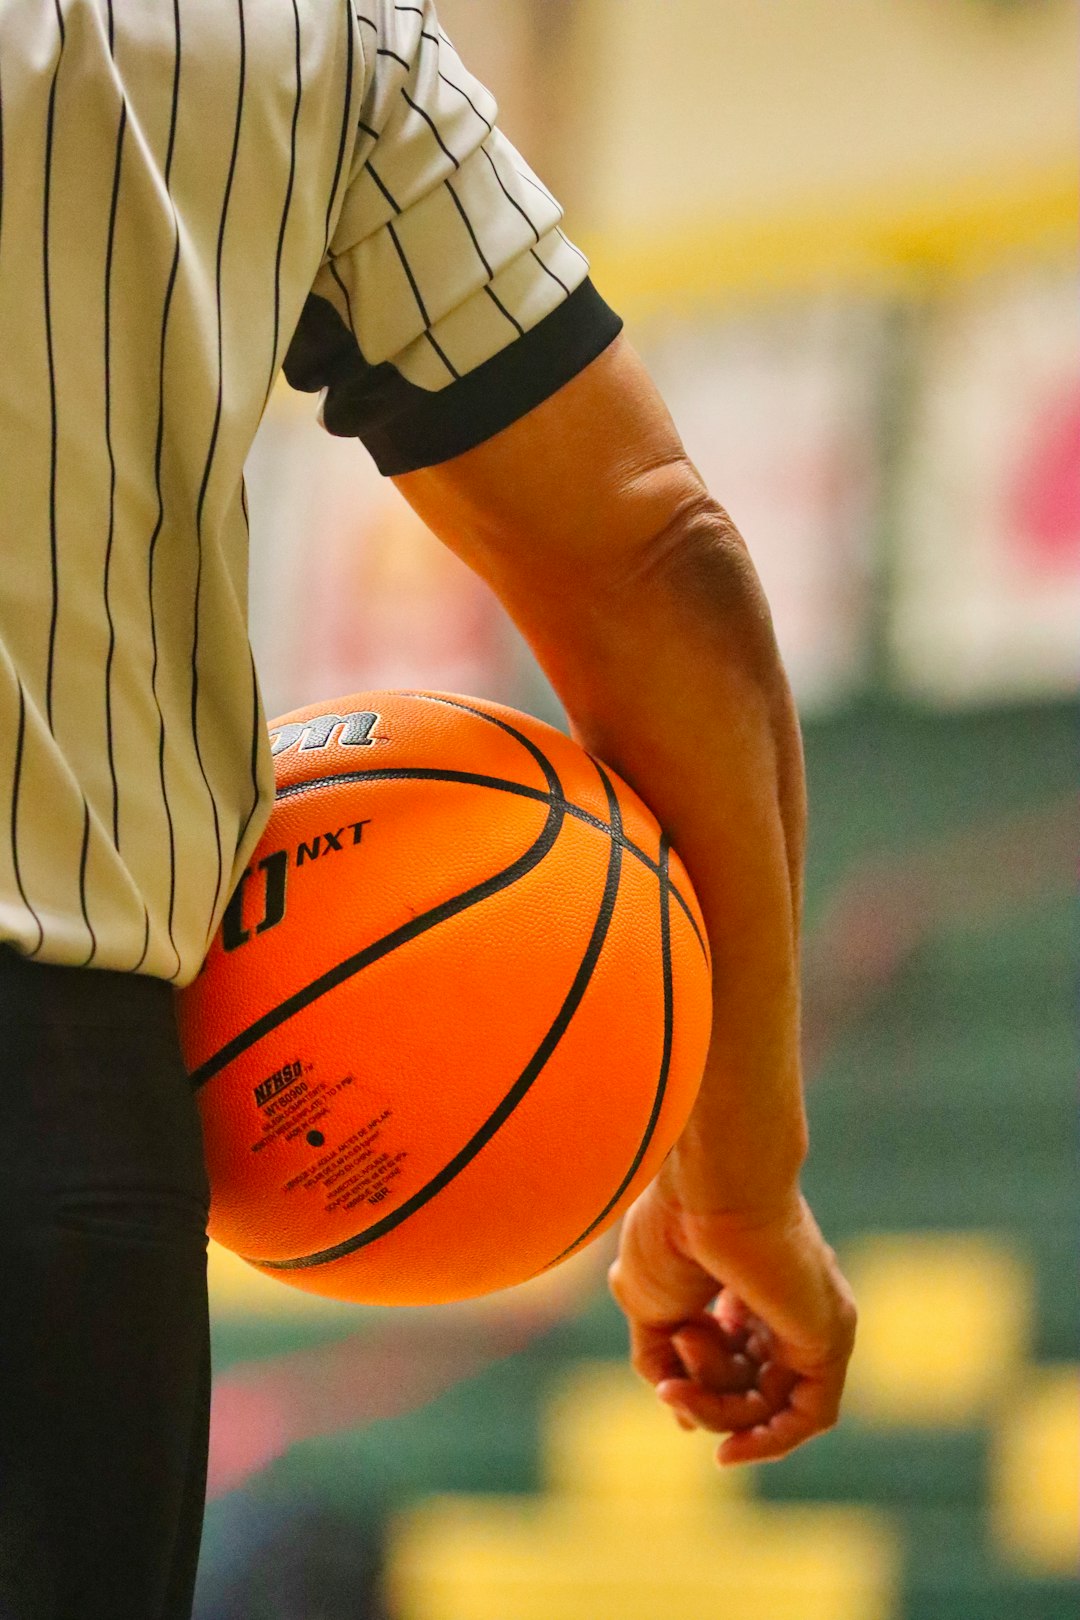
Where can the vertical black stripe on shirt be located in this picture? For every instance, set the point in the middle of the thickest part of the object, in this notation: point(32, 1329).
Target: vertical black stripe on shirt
point(112, 477)
point(431, 124)
point(145, 943)
point(344, 293)
point(200, 505)
point(110, 244)
point(395, 205)
point(158, 453)
point(257, 733)
point(16, 780)
point(345, 112)
point(567, 242)
point(511, 200)
point(257, 728)
point(82, 886)
point(502, 309)
point(54, 549)
point(531, 181)
point(548, 271)
point(482, 256)
point(421, 306)
point(407, 267)
point(443, 356)
point(287, 205)
point(1, 156)
point(489, 127)
point(50, 126)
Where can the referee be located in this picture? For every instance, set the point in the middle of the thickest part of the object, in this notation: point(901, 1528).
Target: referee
point(193, 194)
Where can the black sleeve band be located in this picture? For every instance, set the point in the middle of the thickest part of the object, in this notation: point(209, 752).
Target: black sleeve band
point(406, 427)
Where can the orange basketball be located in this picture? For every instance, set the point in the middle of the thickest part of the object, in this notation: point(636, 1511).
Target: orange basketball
point(457, 1010)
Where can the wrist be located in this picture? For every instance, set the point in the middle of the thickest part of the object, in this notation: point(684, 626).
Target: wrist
point(751, 1177)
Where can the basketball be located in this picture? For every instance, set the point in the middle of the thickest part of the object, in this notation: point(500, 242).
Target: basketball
point(457, 1010)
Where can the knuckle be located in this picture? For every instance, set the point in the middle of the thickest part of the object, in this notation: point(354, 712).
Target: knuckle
point(615, 1282)
point(642, 1365)
point(847, 1321)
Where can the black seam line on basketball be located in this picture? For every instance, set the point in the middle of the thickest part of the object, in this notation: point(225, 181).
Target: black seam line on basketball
point(383, 947)
point(556, 802)
point(665, 1064)
point(556, 787)
point(528, 1076)
point(550, 774)
point(499, 784)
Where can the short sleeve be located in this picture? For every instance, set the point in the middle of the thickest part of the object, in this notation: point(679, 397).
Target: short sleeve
point(449, 302)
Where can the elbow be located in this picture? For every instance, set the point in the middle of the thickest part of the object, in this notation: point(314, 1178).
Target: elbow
point(701, 564)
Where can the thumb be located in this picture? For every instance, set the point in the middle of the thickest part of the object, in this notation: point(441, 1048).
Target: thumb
point(654, 1279)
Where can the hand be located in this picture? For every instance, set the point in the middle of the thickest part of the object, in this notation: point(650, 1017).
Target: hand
point(744, 1324)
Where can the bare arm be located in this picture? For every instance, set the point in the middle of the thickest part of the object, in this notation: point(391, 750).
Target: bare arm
point(642, 604)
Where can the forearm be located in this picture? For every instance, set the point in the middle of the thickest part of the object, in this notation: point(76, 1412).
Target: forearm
point(662, 651)
point(673, 678)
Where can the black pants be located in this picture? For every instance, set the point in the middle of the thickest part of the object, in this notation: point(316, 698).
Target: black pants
point(104, 1332)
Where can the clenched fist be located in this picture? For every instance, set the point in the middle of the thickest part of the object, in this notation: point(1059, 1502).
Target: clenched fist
point(744, 1324)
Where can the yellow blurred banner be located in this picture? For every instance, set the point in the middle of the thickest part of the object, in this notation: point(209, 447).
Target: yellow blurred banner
point(867, 242)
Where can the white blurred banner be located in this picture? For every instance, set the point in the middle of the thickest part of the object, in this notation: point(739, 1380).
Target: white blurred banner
point(349, 591)
point(783, 412)
point(987, 568)
point(779, 414)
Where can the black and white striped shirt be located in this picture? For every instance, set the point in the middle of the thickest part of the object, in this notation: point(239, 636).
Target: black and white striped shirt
point(192, 193)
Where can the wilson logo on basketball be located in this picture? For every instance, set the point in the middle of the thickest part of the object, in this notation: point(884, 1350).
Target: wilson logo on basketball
point(356, 732)
point(274, 868)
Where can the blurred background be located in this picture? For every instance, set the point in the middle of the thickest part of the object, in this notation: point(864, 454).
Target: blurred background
point(843, 234)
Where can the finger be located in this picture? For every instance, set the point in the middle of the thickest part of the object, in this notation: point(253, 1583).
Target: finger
point(653, 1354)
point(721, 1414)
point(760, 1344)
point(710, 1359)
point(682, 1291)
point(766, 1442)
point(776, 1382)
point(732, 1314)
point(811, 1409)
point(682, 1418)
